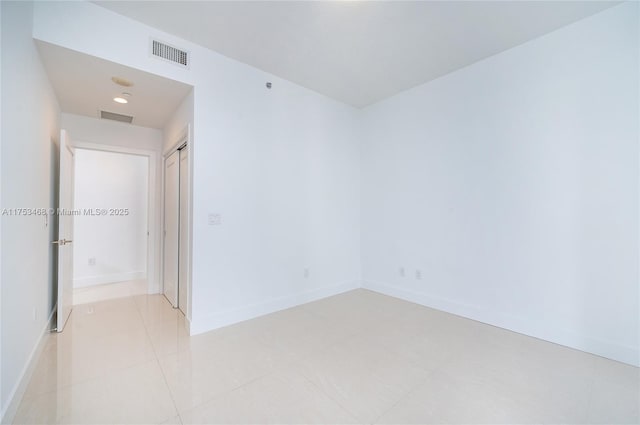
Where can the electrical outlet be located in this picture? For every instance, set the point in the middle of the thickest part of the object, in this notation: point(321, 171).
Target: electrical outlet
point(418, 274)
point(401, 271)
point(306, 272)
point(92, 261)
point(214, 219)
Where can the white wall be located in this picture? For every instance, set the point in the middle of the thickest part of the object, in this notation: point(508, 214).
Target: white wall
point(512, 185)
point(111, 133)
point(105, 134)
point(176, 125)
point(116, 241)
point(279, 165)
point(29, 135)
point(281, 169)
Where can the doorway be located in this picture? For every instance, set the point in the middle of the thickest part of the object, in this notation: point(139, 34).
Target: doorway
point(176, 224)
point(112, 250)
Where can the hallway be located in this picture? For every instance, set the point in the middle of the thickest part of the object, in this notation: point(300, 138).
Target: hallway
point(358, 357)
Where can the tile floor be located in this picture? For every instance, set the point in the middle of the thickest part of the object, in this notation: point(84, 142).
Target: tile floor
point(108, 291)
point(359, 357)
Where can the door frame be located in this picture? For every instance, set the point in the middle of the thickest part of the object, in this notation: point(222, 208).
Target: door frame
point(153, 218)
point(185, 138)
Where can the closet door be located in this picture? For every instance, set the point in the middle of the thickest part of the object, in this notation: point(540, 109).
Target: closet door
point(171, 226)
point(183, 256)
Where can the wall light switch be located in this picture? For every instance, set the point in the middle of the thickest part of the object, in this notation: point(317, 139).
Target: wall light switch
point(214, 219)
point(418, 274)
point(92, 261)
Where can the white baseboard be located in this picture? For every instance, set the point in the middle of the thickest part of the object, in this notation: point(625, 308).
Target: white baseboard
point(154, 288)
point(108, 278)
point(187, 325)
point(229, 317)
point(568, 338)
point(9, 411)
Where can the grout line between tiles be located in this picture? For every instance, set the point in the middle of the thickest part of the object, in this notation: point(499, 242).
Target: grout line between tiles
point(155, 353)
point(332, 399)
point(404, 396)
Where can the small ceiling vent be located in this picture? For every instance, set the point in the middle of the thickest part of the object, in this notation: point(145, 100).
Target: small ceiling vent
point(116, 117)
point(169, 53)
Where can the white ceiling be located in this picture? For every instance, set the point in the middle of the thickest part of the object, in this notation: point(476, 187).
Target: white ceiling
point(357, 52)
point(83, 86)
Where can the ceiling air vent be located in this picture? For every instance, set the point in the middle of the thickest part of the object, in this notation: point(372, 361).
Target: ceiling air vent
point(170, 53)
point(116, 117)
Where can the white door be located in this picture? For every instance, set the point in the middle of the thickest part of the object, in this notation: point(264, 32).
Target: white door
point(65, 231)
point(171, 226)
point(183, 254)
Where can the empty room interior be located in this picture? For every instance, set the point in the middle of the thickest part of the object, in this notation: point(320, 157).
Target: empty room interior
point(389, 212)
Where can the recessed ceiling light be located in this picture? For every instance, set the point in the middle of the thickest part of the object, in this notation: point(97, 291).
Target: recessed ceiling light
point(120, 100)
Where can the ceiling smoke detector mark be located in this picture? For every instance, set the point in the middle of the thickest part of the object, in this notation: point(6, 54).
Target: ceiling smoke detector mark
point(122, 81)
point(170, 53)
point(105, 115)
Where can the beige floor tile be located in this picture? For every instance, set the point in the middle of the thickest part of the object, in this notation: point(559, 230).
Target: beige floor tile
point(113, 316)
point(155, 309)
point(445, 399)
point(366, 380)
point(280, 398)
point(615, 397)
point(196, 376)
point(413, 337)
point(42, 409)
point(130, 396)
point(76, 358)
point(141, 394)
point(617, 373)
point(172, 421)
point(358, 356)
point(554, 379)
point(170, 336)
point(296, 332)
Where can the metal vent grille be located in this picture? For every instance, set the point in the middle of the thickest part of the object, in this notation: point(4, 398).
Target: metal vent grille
point(116, 117)
point(170, 53)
